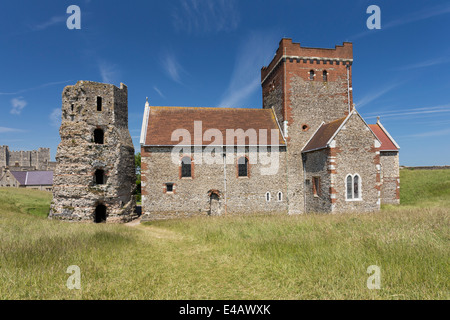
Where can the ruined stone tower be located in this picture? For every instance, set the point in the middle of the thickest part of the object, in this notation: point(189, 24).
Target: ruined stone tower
point(305, 87)
point(95, 176)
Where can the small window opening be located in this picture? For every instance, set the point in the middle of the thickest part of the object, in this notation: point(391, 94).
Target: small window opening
point(325, 76)
point(99, 103)
point(311, 75)
point(280, 196)
point(305, 127)
point(353, 187)
point(268, 196)
point(186, 167)
point(316, 186)
point(169, 187)
point(99, 176)
point(71, 107)
point(99, 136)
point(243, 167)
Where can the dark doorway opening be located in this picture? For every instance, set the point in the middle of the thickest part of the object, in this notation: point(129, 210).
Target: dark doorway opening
point(100, 214)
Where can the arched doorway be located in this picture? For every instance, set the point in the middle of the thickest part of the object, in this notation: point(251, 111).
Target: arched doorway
point(100, 214)
point(214, 203)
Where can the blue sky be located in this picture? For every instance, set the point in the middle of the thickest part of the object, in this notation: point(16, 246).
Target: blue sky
point(209, 53)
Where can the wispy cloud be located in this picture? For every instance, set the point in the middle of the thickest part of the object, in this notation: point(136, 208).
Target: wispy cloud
point(6, 130)
point(426, 63)
point(108, 72)
point(375, 95)
point(434, 133)
point(408, 18)
point(172, 67)
point(34, 88)
point(205, 16)
point(17, 105)
point(51, 22)
point(159, 92)
point(412, 112)
point(55, 117)
point(256, 51)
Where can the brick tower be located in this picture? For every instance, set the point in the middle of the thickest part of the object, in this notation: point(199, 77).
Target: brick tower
point(95, 176)
point(306, 86)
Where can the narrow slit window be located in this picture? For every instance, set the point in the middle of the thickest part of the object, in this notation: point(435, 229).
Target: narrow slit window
point(186, 167)
point(349, 188)
point(243, 167)
point(325, 76)
point(316, 186)
point(280, 196)
point(267, 196)
point(99, 103)
point(311, 75)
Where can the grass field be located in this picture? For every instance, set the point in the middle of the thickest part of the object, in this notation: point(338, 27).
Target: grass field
point(253, 257)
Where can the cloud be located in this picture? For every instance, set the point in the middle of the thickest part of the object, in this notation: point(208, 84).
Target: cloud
point(6, 130)
point(34, 88)
point(412, 112)
point(256, 51)
point(159, 92)
point(51, 22)
point(375, 95)
point(426, 63)
point(435, 133)
point(108, 72)
point(55, 117)
point(172, 67)
point(17, 105)
point(409, 18)
point(206, 16)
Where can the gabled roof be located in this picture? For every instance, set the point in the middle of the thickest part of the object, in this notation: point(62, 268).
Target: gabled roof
point(387, 142)
point(328, 131)
point(33, 178)
point(322, 136)
point(163, 121)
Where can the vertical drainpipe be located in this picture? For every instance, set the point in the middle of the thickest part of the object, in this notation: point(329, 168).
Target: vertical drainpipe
point(348, 87)
point(225, 179)
point(285, 131)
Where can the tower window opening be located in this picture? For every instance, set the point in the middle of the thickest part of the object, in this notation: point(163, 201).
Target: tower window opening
point(325, 76)
point(186, 167)
point(311, 75)
point(99, 136)
point(99, 103)
point(99, 176)
point(243, 167)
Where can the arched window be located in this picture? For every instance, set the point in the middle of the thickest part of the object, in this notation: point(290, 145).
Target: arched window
point(353, 186)
point(99, 176)
point(280, 196)
point(186, 167)
point(268, 196)
point(99, 136)
point(243, 167)
point(99, 103)
point(311, 75)
point(325, 76)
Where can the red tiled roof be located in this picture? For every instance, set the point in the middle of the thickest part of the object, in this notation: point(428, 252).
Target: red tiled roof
point(163, 121)
point(386, 142)
point(323, 135)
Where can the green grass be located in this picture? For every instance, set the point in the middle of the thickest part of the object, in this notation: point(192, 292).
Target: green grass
point(251, 257)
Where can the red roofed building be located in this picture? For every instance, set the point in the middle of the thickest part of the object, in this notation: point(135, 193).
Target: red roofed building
point(306, 150)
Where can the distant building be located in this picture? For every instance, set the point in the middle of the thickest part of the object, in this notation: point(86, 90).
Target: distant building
point(26, 160)
point(39, 180)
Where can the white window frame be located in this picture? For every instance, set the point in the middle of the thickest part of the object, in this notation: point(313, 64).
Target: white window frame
point(280, 196)
point(268, 198)
point(353, 191)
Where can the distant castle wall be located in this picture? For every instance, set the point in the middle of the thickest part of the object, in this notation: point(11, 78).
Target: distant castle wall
point(26, 160)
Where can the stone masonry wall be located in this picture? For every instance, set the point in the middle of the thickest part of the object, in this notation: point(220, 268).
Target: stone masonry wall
point(191, 196)
point(316, 166)
point(356, 152)
point(76, 195)
point(390, 177)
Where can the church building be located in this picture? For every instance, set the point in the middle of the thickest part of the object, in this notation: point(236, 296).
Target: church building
point(306, 150)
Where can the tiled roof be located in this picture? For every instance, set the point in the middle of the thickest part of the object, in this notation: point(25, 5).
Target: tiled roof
point(323, 135)
point(163, 121)
point(386, 143)
point(33, 178)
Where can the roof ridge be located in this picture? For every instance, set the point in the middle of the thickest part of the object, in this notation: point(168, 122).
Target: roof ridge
point(214, 108)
